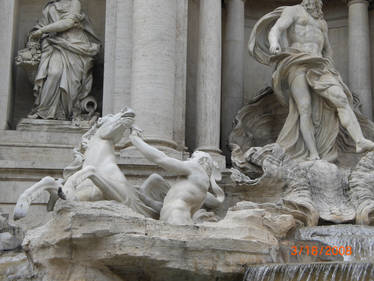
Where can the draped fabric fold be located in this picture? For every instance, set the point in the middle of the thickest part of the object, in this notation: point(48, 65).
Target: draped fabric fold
point(64, 75)
point(320, 75)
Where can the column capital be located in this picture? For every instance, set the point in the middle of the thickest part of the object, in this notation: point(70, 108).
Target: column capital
point(350, 2)
point(226, 1)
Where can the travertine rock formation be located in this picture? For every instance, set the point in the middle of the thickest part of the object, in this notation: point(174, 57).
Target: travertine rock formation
point(108, 241)
point(318, 189)
point(361, 183)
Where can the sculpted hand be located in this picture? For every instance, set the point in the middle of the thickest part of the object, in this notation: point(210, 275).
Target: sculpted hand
point(275, 49)
point(135, 131)
point(36, 35)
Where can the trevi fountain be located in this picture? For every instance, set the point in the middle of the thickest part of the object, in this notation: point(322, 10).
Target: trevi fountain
point(186, 140)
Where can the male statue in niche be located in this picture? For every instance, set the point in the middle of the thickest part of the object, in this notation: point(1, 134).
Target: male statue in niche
point(305, 78)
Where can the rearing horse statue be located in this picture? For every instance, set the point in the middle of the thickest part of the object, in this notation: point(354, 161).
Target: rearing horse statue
point(94, 174)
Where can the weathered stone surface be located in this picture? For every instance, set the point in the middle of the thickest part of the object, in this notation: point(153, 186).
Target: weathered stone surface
point(11, 236)
point(274, 221)
point(318, 189)
point(108, 237)
point(362, 189)
point(14, 266)
point(58, 126)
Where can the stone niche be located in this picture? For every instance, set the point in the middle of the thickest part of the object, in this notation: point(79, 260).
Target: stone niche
point(28, 13)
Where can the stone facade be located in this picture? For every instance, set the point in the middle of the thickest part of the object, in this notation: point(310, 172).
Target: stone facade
point(183, 66)
point(184, 121)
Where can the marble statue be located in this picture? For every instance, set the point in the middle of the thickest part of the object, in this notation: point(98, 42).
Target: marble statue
point(306, 80)
point(64, 75)
point(186, 197)
point(94, 174)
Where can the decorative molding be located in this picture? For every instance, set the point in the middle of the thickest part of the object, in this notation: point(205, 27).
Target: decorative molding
point(350, 2)
point(225, 1)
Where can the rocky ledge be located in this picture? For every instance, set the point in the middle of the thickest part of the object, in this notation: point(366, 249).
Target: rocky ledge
point(108, 241)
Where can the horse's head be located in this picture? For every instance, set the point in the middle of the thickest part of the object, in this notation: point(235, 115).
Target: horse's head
point(113, 126)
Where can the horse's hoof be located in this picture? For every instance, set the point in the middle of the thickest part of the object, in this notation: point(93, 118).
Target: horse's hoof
point(61, 194)
point(52, 202)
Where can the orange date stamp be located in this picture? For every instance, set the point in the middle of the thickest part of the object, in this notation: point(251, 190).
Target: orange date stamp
point(323, 250)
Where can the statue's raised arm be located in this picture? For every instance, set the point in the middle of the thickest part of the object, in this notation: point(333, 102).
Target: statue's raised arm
point(190, 192)
point(158, 157)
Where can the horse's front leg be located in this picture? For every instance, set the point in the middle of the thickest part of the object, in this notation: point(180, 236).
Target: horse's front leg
point(69, 190)
point(29, 195)
point(111, 190)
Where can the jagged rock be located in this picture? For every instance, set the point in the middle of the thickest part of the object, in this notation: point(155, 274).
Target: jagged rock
point(14, 266)
point(274, 221)
point(109, 239)
point(361, 183)
point(318, 189)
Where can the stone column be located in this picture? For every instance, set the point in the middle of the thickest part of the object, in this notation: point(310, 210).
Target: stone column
point(359, 53)
point(118, 52)
point(154, 69)
point(8, 15)
point(232, 71)
point(208, 93)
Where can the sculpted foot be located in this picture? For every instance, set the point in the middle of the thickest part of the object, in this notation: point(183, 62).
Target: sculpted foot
point(314, 157)
point(33, 116)
point(364, 145)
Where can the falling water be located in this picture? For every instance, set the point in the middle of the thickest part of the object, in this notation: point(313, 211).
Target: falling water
point(359, 238)
point(311, 272)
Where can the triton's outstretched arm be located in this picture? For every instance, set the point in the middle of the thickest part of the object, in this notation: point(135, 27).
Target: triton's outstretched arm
point(158, 157)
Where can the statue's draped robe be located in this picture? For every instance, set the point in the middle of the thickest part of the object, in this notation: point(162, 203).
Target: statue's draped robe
point(64, 75)
point(320, 76)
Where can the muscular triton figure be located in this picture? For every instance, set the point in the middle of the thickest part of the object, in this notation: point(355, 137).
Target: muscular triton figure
point(184, 198)
point(304, 68)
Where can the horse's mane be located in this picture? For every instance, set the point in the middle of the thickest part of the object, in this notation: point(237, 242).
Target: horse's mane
point(79, 151)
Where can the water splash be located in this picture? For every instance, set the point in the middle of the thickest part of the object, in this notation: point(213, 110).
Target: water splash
point(359, 238)
point(311, 272)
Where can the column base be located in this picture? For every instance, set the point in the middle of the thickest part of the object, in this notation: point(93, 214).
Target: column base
point(53, 126)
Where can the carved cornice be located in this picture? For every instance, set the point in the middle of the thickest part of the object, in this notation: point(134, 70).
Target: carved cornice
point(371, 2)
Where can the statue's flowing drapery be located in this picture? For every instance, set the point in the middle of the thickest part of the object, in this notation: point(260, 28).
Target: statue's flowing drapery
point(320, 75)
point(64, 75)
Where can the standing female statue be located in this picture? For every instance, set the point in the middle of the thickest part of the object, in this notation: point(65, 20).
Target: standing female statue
point(64, 76)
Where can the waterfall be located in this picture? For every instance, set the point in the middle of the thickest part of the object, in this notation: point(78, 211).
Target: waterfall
point(359, 238)
point(311, 272)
